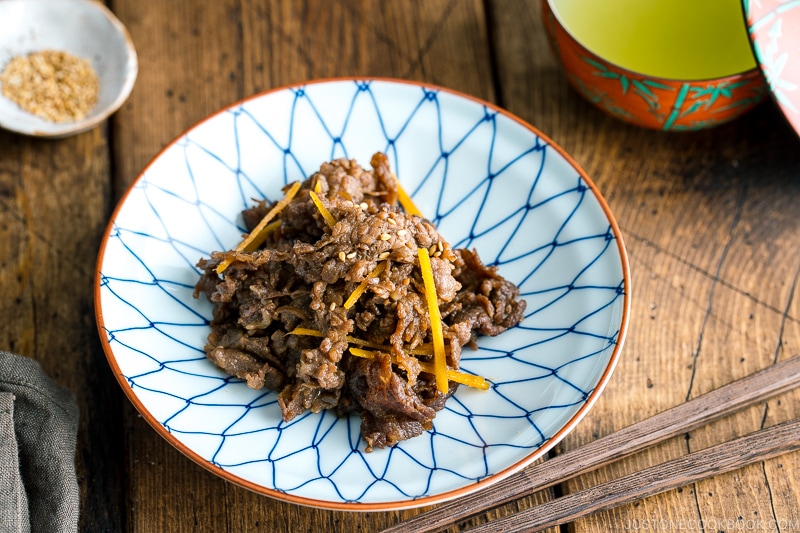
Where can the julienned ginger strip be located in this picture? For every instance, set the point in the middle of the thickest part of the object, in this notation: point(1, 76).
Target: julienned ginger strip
point(423, 349)
point(322, 209)
point(453, 375)
point(272, 226)
point(439, 367)
point(356, 294)
point(351, 340)
point(469, 380)
point(259, 233)
point(439, 361)
point(405, 200)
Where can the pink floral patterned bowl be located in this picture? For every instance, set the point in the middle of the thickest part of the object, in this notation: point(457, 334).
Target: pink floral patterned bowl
point(773, 28)
point(672, 89)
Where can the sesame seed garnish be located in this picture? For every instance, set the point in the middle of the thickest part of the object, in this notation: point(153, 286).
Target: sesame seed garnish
point(432, 250)
point(402, 233)
point(385, 236)
point(384, 255)
point(333, 306)
point(363, 206)
point(351, 255)
point(341, 256)
point(391, 221)
point(441, 246)
point(51, 84)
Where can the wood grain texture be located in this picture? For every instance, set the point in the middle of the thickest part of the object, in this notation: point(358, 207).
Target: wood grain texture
point(709, 222)
point(53, 208)
point(715, 460)
point(709, 218)
point(194, 61)
point(699, 411)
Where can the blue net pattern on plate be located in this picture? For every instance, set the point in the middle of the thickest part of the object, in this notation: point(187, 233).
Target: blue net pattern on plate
point(488, 182)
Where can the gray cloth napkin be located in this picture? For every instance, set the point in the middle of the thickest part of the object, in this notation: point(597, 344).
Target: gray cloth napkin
point(38, 433)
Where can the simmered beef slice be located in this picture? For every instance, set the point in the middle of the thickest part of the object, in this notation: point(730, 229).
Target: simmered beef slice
point(487, 302)
point(284, 316)
point(391, 410)
point(246, 357)
point(339, 180)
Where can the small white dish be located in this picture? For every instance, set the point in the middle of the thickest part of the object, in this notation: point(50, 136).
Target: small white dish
point(83, 28)
point(486, 178)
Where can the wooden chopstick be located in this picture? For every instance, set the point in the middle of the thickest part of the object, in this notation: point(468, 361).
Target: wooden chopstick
point(687, 416)
point(725, 457)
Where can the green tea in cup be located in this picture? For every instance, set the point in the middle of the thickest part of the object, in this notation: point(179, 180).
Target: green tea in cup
point(672, 39)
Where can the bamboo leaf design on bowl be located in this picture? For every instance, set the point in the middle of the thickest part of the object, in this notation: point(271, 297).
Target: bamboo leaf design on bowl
point(641, 87)
point(690, 99)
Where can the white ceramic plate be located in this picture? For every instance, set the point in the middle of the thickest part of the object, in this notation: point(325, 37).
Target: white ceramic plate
point(490, 182)
point(83, 28)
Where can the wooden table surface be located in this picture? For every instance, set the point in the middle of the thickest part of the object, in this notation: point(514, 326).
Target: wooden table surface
point(711, 221)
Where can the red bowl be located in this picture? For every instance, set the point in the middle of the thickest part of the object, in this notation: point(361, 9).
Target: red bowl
point(652, 102)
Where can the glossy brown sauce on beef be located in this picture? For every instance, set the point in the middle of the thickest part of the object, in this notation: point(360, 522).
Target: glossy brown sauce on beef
point(304, 273)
